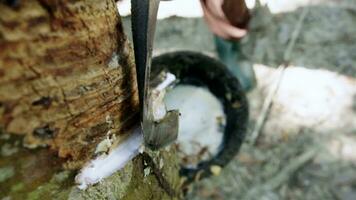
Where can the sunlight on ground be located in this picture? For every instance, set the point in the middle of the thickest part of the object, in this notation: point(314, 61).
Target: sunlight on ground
point(343, 148)
point(192, 8)
point(181, 8)
point(314, 98)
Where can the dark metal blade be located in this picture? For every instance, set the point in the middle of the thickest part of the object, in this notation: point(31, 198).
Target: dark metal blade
point(143, 18)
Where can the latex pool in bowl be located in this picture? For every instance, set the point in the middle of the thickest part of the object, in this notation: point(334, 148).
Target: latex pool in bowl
point(211, 102)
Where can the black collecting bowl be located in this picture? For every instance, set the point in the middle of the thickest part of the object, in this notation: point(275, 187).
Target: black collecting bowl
point(200, 70)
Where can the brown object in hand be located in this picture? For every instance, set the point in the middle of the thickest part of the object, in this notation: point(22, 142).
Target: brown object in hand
point(226, 18)
point(236, 12)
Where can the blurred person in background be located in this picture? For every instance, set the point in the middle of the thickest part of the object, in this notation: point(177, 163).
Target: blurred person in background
point(228, 20)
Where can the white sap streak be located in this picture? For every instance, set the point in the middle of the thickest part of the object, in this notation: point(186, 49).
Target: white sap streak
point(157, 95)
point(105, 165)
point(170, 78)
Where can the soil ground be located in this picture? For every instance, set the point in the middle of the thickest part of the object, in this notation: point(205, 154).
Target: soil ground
point(307, 147)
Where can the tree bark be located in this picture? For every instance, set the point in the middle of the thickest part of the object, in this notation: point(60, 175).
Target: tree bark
point(67, 81)
point(65, 71)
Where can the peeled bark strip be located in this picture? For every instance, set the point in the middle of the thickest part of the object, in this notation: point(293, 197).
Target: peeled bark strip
point(66, 75)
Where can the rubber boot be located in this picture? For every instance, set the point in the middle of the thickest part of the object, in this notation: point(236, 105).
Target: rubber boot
point(229, 53)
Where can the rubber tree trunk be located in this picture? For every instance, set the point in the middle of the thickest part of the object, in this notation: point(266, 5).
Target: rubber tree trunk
point(67, 81)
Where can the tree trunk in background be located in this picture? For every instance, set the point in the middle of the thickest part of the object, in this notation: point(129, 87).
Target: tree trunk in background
point(67, 81)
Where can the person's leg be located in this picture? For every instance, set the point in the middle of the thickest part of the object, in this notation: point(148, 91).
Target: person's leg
point(230, 54)
point(228, 20)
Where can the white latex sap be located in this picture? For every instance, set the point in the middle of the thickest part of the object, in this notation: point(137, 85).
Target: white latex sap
point(201, 123)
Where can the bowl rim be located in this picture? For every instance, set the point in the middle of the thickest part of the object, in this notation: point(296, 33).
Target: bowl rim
point(188, 66)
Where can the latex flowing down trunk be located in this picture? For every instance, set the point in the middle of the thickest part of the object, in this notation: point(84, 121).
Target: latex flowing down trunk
point(67, 82)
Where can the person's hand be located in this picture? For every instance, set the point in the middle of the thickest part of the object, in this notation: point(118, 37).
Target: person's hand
point(227, 19)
